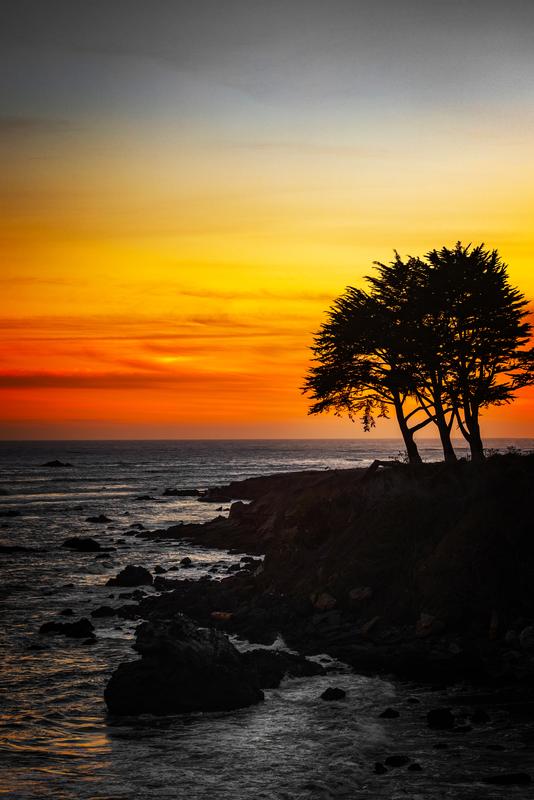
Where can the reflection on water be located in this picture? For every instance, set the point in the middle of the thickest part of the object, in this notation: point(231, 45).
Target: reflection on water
point(55, 738)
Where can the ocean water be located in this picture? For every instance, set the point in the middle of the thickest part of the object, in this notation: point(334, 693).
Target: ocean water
point(56, 739)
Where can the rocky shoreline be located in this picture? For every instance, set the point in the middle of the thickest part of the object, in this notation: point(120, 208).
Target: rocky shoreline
point(418, 573)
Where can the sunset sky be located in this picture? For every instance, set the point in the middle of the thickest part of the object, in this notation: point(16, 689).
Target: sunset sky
point(186, 187)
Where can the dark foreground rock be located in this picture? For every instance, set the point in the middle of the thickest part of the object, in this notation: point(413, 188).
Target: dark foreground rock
point(132, 576)
point(172, 492)
point(100, 519)
point(56, 464)
point(269, 667)
point(333, 693)
point(182, 669)
point(81, 629)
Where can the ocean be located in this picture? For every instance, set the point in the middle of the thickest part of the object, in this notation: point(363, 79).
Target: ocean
point(56, 739)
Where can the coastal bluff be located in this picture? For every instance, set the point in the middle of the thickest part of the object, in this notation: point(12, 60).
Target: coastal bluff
point(425, 571)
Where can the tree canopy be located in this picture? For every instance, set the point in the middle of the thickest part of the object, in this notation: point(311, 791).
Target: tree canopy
point(433, 340)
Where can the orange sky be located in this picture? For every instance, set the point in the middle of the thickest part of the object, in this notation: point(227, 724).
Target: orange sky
point(170, 241)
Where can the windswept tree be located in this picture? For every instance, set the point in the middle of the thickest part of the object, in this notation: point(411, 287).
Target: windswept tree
point(436, 340)
point(485, 358)
point(360, 368)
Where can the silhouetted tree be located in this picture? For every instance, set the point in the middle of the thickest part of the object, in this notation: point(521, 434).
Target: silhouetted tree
point(485, 333)
point(442, 337)
point(361, 370)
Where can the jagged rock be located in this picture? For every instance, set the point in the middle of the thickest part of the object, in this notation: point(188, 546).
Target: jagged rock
point(82, 544)
point(323, 601)
point(389, 713)
point(171, 492)
point(268, 667)
point(182, 669)
point(101, 518)
point(56, 464)
point(103, 611)
point(428, 625)
point(143, 497)
point(74, 630)
point(333, 693)
point(440, 719)
point(360, 595)
point(132, 576)
point(397, 761)
point(186, 562)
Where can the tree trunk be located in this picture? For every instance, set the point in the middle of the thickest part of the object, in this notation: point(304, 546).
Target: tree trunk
point(407, 435)
point(475, 440)
point(446, 443)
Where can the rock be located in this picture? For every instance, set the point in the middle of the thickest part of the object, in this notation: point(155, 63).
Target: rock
point(333, 693)
point(132, 576)
point(74, 630)
point(103, 611)
point(389, 713)
point(143, 497)
point(186, 562)
point(269, 667)
point(428, 625)
point(526, 638)
point(415, 767)
point(440, 719)
point(101, 518)
point(10, 512)
point(379, 768)
point(171, 492)
point(360, 595)
point(323, 601)
point(182, 669)
point(159, 570)
point(67, 612)
point(509, 779)
point(9, 549)
point(366, 629)
point(397, 761)
point(82, 544)
point(413, 701)
point(56, 464)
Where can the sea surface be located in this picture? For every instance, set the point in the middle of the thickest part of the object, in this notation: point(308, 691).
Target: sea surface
point(56, 740)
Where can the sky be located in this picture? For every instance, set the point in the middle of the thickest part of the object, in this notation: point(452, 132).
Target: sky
point(187, 186)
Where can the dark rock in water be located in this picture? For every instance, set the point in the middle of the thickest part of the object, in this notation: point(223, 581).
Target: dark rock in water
point(101, 518)
point(132, 576)
point(103, 611)
point(138, 526)
point(333, 693)
point(159, 570)
point(397, 761)
point(186, 562)
point(56, 463)
point(90, 640)
point(379, 768)
point(182, 669)
point(14, 548)
point(269, 666)
point(415, 767)
point(82, 544)
point(67, 612)
point(74, 630)
point(440, 719)
point(143, 497)
point(389, 713)
point(509, 779)
point(171, 492)
point(413, 701)
point(10, 512)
